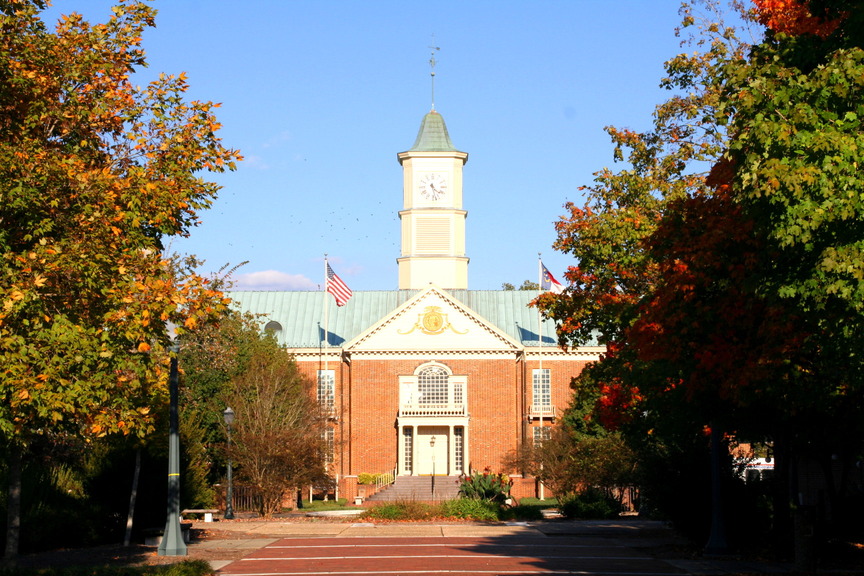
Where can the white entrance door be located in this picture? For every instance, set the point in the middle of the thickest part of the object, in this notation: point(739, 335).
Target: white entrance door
point(432, 450)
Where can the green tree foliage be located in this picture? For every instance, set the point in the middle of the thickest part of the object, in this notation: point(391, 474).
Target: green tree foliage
point(617, 273)
point(278, 442)
point(526, 285)
point(94, 172)
point(210, 358)
point(581, 455)
point(606, 234)
point(794, 158)
point(732, 298)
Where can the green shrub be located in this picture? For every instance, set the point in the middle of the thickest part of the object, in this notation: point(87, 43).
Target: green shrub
point(407, 510)
point(188, 568)
point(591, 504)
point(369, 478)
point(523, 512)
point(472, 509)
point(486, 486)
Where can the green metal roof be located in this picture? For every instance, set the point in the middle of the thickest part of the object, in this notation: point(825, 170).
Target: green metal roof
point(433, 136)
point(301, 314)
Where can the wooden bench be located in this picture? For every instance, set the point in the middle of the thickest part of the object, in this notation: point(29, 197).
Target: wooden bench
point(208, 514)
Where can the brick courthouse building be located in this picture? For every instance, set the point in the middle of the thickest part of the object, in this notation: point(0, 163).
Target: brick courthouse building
point(432, 378)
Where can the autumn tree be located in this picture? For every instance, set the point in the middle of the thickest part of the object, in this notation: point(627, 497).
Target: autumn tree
point(278, 433)
point(730, 298)
point(94, 173)
point(572, 462)
point(605, 234)
point(616, 272)
point(756, 319)
point(795, 153)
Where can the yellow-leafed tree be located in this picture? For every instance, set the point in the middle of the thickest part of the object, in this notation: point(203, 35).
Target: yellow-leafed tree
point(94, 173)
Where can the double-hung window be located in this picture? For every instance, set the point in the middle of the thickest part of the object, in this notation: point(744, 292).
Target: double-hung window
point(541, 434)
point(542, 391)
point(327, 391)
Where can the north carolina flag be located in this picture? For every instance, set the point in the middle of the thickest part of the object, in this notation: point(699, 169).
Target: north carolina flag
point(337, 287)
point(548, 282)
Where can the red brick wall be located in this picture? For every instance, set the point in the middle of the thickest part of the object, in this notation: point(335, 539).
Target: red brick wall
point(562, 372)
point(494, 403)
point(374, 405)
point(498, 395)
point(523, 487)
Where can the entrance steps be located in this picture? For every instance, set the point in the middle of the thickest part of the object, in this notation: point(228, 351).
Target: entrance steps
point(419, 488)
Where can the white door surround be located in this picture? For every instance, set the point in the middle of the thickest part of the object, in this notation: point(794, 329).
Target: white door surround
point(420, 456)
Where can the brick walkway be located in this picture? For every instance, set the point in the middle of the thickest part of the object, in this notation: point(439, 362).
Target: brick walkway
point(629, 547)
point(418, 556)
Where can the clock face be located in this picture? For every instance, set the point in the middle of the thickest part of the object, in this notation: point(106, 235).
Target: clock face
point(433, 186)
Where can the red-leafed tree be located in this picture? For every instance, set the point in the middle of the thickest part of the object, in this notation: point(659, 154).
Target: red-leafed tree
point(617, 273)
point(734, 299)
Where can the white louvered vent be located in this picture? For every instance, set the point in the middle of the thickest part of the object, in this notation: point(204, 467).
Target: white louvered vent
point(433, 236)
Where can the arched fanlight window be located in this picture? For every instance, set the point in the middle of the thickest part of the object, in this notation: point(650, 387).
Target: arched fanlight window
point(432, 385)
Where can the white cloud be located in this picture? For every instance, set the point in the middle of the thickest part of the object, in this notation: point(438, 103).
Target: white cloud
point(256, 162)
point(272, 280)
point(284, 136)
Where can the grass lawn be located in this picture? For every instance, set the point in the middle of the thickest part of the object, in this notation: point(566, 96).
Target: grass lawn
point(185, 568)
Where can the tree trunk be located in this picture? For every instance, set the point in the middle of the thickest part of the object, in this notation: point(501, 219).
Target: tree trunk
point(784, 486)
point(132, 497)
point(13, 504)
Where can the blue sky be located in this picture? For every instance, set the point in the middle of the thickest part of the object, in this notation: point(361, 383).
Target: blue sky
point(320, 96)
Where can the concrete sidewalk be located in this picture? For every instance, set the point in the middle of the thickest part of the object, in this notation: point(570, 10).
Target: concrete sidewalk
point(274, 528)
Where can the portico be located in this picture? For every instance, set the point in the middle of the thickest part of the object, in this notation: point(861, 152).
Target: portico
point(433, 422)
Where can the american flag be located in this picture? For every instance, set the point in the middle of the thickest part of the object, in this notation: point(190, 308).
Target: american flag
point(337, 287)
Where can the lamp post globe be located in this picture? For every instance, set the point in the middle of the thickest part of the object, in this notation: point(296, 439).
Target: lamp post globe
point(228, 416)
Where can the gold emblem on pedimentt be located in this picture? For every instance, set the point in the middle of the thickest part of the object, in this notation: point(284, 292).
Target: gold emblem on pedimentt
point(432, 321)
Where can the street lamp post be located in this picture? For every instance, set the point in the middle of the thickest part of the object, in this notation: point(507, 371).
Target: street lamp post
point(172, 543)
point(432, 446)
point(228, 415)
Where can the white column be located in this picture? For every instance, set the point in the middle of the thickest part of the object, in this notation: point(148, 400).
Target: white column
point(451, 447)
point(414, 437)
point(400, 450)
point(466, 456)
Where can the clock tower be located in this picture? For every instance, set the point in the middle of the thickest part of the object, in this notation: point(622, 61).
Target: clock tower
point(433, 221)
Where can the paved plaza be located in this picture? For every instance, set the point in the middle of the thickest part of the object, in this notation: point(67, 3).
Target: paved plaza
point(631, 548)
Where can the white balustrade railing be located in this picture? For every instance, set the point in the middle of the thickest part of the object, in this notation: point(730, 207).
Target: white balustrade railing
point(433, 410)
point(542, 411)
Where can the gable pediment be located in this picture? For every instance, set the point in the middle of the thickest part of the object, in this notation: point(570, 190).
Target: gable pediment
point(433, 321)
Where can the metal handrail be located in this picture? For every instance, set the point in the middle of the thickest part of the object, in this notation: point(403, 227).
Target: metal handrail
point(382, 480)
